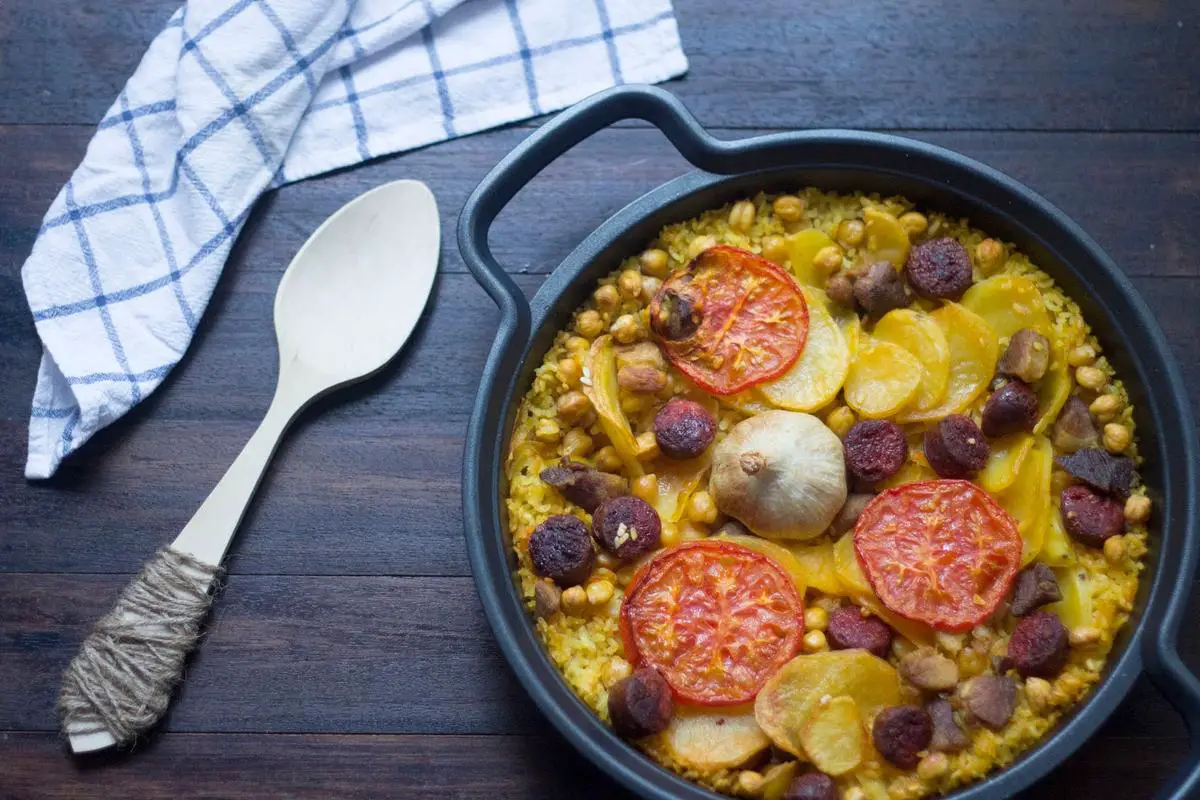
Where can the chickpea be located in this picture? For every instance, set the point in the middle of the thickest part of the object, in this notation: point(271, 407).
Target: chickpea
point(1091, 378)
point(914, 223)
point(840, 420)
point(750, 782)
point(851, 232)
point(655, 262)
point(577, 443)
point(1105, 407)
point(814, 642)
point(1083, 635)
point(574, 601)
point(1114, 548)
point(606, 297)
point(788, 207)
point(606, 562)
point(630, 283)
point(589, 324)
point(604, 573)
point(774, 248)
point(1081, 356)
point(972, 661)
point(1037, 693)
point(626, 329)
point(990, 255)
point(815, 618)
point(647, 446)
point(701, 508)
point(599, 592)
point(828, 259)
point(671, 535)
point(617, 669)
point(933, 766)
point(572, 405)
point(606, 459)
point(700, 244)
point(1137, 509)
point(547, 430)
point(633, 403)
point(577, 345)
point(741, 216)
point(1116, 438)
point(646, 487)
point(570, 372)
point(650, 287)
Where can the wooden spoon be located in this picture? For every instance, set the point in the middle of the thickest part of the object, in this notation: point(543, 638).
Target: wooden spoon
point(346, 305)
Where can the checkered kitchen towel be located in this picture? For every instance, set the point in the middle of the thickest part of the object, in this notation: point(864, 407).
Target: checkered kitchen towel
point(233, 98)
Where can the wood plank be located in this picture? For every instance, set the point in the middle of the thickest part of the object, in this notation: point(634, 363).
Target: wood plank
point(1016, 65)
point(366, 655)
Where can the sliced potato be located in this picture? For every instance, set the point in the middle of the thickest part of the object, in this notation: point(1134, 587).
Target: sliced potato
point(708, 739)
point(816, 562)
point(1076, 607)
point(849, 571)
point(601, 388)
point(802, 247)
point(973, 353)
point(1053, 389)
point(1057, 548)
point(1028, 498)
point(1004, 463)
point(1009, 303)
point(886, 239)
point(776, 552)
point(883, 379)
point(777, 778)
point(817, 376)
point(678, 481)
point(833, 737)
point(750, 401)
point(917, 333)
point(914, 470)
point(784, 705)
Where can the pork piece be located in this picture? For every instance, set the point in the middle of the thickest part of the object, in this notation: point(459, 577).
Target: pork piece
point(1011, 408)
point(880, 289)
point(627, 527)
point(939, 269)
point(849, 629)
point(684, 428)
point(812, 785)
point(875, 449)
point(850, 512)
point(992, 699)
point(561, 550)
point(1027, 356)
point(900, 733)
point(641, 379)
point(956, 448)
point(1090, 518)
point(641, 704)
point(1100, 470)
point(584, 486)
point(929, 670)
point(1039, 646)
point(948, 735)
point(1035, 587)
point(546, 599)
point(677, 317)
point(840, 289)
point(1073, 427)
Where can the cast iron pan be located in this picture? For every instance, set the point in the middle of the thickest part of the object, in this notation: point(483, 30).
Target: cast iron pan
point(845, 160)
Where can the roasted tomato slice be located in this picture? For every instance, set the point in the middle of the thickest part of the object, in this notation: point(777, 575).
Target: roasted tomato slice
point(939, 552)
point(730, 320)
point(715, 618)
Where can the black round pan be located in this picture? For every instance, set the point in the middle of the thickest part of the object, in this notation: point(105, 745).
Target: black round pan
point(846, 160)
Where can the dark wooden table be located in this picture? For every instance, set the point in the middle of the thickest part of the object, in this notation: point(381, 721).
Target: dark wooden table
point(348, 654)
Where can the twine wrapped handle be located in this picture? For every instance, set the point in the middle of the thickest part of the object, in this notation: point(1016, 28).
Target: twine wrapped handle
point(122, 678)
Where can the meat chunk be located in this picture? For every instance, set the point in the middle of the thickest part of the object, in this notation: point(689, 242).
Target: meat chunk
point(584, 486)
point(875, 449)
point(1073, 427)
point(547, 598)
point(850, 512)
point(1089, 517)
point(641, 704)
point(1027, 356)
point(627, 527)
point(1039, 646)
point(642, 354)
point(956, 448)
point(900, 733)
point(684, 428)
point(840, 289)
point(561, 550)
point(948, 735)
point(812, 785)
point(992, 699)
point(1035, 587)
point(939, 269)
point(880, 289)
point(1101, 470)
point(1011, 408)
point(929, 670)
point(641, 378)
point(677, 317)
point(849, 629)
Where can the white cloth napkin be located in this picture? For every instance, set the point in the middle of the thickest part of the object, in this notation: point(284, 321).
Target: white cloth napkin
point(238, 96)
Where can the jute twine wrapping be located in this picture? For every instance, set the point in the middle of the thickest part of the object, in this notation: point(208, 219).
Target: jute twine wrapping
point(127, 667)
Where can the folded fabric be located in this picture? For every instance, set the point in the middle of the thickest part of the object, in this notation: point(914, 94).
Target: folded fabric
point(234, 98)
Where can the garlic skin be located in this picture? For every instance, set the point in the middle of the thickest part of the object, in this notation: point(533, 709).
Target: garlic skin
point(781, 473)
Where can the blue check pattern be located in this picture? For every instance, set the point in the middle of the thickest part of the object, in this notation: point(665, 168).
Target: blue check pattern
point(235, 97)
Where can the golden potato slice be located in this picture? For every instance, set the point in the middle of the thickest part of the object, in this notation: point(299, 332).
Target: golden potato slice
point(1009, 303)
point(600, 368)
point(1057, 548)
point(777, 553)
point(749, 401)
point(917, 333)
point(1076, 607)
point(816, 562)
point(849, 571)
point(817, 376)
point(1004, 463)
point(802, 248)
point(784, 705)
point(833, 737)
point(886, 239)
point(1028, 498)
point(777, 779)
point(883, 379)
point(1053, 389)
point(711, 739)
point(973, 353)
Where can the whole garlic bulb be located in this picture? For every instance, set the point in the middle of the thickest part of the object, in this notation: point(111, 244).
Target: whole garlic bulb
point(781, 473)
